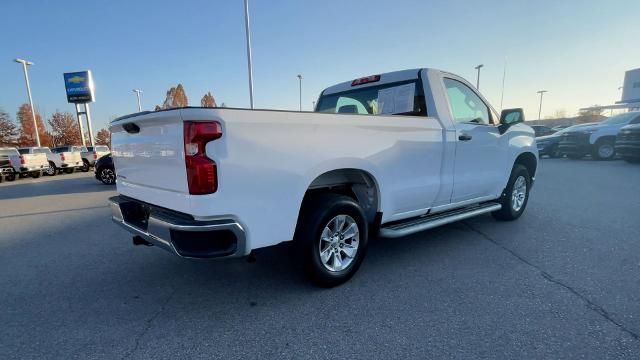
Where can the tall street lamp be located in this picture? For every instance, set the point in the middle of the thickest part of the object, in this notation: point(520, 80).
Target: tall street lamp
point(247, 28)
point(300, 87)
point(478, 78)
point(138, 92)
point(541, 92)
point(26, 63)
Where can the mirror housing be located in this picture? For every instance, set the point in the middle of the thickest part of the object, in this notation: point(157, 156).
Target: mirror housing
point(509, 117)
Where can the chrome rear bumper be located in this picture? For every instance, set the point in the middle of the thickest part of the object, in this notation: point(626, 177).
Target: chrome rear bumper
point(178, 233)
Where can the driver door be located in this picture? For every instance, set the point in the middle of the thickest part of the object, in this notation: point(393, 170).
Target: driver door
point(478, 168)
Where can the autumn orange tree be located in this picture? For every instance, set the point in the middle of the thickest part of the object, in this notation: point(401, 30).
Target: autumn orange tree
point(64, 129)
point(208, 100)
point(176, 97)
point(27, 136)
point(8, 130)
point(103, 137)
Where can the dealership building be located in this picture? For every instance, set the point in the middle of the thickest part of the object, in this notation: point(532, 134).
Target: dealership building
point(630, 93)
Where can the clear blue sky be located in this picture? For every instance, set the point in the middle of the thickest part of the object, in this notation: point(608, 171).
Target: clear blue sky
point(577, 50)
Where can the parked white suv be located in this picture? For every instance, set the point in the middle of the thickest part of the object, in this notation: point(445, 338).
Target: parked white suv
point(391, 154)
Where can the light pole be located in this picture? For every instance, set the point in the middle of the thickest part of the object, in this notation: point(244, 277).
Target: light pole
point(478, 78)
point(138, 92)
point(26, 63)
point(247, 28)
point(541, 92)
point(300, 87)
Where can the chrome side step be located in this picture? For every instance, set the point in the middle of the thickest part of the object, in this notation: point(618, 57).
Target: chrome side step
point(432, 221)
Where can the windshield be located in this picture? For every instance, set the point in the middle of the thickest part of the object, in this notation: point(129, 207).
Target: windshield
point(620, 119)
point(400, 98)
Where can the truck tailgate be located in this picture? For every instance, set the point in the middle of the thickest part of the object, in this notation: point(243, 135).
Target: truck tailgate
point(149, 158)
point(72, 158)
point(39, 160)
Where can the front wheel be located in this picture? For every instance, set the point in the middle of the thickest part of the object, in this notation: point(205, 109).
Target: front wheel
point(555, 153)
point(35, 174)
point(85, 166)
point(331, 238)
point(69, 170)
point(604, 150)
point(516, 195)
point(11, 177)
point(51, 170)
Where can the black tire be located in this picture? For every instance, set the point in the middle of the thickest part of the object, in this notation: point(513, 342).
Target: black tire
point(318, 213)
point(555, 153)
point(69, 170)
point(52, 170)
point(509, 211)
point(11, 177)
point(604, 150)
point(23, 175)
point(35, 174)
point(107, 176)
point(85, 166)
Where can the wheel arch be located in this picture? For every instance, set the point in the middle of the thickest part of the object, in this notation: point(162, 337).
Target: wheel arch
point(529, 161)
point(356, 183)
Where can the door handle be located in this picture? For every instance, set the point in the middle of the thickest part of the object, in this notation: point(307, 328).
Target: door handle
point(465, 137)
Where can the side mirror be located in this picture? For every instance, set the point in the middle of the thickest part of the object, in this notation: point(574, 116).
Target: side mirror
point(510, 117)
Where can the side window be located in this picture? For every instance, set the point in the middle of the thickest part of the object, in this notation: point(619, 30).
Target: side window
point(466, 106)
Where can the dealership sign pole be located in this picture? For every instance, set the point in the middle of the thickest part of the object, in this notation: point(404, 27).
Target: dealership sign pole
point(79, 87)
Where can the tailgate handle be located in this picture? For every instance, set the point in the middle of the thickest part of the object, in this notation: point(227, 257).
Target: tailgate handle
point(131, 128)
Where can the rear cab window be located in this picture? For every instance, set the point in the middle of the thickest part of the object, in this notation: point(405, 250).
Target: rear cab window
point(23, 151)
point(397, 98)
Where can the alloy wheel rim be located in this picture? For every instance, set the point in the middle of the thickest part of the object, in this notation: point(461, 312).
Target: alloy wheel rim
point(605, 151)
point(50, 170)
point(519, 193)
point(339, 243)
point(107, 176)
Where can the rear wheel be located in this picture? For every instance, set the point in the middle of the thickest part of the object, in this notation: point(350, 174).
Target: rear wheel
point(516, 195)
point(107, 176)
point(35, 174)
point(604, 150)
point(69, 170)
point(331, 238)
point(11, 177)
point(85, 165)
point(51, 170)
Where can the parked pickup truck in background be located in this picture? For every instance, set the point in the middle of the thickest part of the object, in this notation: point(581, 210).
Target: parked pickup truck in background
point(598, 139)
point(389, 154)
point(6, 169)
point(88, 154)
point(628, 143)
point(24, 163)
point(58, 161)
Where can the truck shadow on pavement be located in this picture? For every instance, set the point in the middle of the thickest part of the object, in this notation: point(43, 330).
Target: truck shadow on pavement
point(76, 185)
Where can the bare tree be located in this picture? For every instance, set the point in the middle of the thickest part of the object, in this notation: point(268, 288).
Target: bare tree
point(8, 130)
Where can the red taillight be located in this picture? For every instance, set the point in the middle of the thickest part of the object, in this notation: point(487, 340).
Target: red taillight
point(21, 159)
point(95, 156)
point(365, 80)
point(61, 157)
point(202, 174)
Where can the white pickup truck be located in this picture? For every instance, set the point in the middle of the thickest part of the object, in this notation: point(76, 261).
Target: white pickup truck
point(66, 161)
point(25, 163)
point(389, 154)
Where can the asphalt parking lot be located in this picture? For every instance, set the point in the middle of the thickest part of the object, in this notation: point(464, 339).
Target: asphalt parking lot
point(561, 282)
